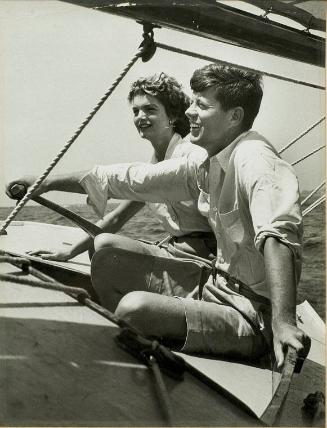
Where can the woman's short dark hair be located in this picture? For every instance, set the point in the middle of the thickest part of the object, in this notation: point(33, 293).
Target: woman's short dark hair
point(234, 88)
point(171, 95)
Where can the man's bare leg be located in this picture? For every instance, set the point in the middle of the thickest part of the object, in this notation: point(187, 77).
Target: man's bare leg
point(154, 314)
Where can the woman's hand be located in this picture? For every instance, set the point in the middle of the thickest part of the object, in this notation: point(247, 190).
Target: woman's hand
point(59, 255)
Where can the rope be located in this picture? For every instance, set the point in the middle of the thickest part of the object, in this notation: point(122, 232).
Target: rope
point(211, 59)
point(43, 284)
point(108, 315)
point(23, 264)
point(314, 205)
point(54, 162)
point(45, 281)
point(308, 155)
point(313, 192)
point(301, 135)
point(162, 391)
point(26, 266)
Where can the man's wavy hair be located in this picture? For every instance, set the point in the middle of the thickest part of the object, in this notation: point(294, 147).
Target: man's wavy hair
point(234, 88)
point(171, 95)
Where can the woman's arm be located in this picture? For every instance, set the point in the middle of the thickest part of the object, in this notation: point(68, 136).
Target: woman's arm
point(111, 223)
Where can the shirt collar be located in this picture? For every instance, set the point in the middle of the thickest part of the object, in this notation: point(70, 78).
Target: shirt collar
point(224, 156)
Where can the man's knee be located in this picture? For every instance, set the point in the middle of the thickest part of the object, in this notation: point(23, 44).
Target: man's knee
point(134, 308)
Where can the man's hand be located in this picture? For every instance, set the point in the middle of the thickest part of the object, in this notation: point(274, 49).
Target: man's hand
point(286, 334)
point(16, 189)
point(280, 278)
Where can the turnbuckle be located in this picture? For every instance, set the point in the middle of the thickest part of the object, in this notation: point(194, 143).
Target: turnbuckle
point(148, 44)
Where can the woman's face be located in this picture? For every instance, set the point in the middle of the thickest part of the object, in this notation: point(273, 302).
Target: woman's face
point(150, 118)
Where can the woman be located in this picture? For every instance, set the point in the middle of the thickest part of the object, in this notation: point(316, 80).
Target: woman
point(158, 104)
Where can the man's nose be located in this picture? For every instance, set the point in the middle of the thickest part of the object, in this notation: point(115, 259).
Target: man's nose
point(141, 114)
point(191, 112)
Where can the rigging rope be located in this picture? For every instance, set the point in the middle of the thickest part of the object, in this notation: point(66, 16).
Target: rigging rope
point(320, 200)
point(211, 59)
point(143, 50)
point(314, 205)
point(313, 192)
point(162, 391)
point(308, 155)
point(301, 135)
point(44, 284)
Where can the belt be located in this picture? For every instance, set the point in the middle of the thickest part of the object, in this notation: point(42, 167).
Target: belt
point(198, 235)
point(238, 286)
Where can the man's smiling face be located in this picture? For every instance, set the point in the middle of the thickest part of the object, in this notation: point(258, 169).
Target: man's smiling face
point(209, 123)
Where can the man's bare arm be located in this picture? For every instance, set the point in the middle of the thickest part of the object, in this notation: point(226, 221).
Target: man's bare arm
point(280, 278)
point(62, 182)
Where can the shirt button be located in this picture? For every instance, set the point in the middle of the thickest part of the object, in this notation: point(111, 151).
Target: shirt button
point(173, 217)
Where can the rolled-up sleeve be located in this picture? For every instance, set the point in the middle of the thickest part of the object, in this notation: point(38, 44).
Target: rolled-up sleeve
point(272, 191)
point(171, 180)
point(95, 185)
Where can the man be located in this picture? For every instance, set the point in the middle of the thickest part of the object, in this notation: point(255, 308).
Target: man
point(251, 199)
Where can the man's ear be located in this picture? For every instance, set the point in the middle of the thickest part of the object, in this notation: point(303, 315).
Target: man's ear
point(172, 121)
point(237, 115)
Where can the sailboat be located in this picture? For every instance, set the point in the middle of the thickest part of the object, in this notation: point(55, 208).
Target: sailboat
point(69, 362)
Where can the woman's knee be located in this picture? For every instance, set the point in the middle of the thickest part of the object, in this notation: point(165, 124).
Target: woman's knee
point(106, 240)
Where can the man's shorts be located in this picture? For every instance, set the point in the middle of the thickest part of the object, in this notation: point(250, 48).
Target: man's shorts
point(219, 320)
point(224, 322)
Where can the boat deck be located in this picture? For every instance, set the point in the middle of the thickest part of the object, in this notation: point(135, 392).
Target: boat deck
point(61, 366)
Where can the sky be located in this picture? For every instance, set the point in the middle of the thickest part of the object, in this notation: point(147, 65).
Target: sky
point(59, 59)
